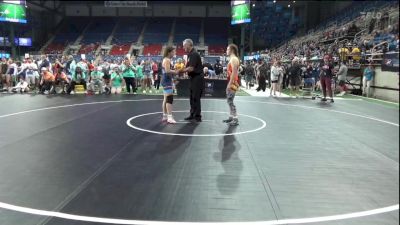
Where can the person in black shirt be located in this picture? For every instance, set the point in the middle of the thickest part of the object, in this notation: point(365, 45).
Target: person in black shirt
point(194, 68)
point(295, 78)
point(208, 65)
point(262, 75)
point(218, 68)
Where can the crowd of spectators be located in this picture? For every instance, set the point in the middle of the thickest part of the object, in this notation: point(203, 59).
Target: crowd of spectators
point(323, 56)
point(69, 74)
point(369, 33)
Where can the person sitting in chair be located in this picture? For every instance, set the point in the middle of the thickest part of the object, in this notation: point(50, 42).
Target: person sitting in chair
point(77, 78)
point(96, 79)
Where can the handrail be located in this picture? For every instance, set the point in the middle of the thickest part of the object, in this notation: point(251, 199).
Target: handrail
point(382, 43)
point(355, 36)
point(344, 40)
point(378, 53)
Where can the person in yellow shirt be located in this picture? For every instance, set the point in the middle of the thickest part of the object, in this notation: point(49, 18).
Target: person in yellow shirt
point(356, 53)
point(179, 65)
point(343, 53)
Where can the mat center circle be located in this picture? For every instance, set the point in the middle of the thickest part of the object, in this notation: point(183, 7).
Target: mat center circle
point(168, 129)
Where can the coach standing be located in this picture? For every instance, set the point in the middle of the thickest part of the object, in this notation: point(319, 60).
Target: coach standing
point(194, 68)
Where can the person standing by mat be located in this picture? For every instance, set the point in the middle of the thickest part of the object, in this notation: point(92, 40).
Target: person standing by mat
point(233, 84)
point(167, 84)
point(194, 68)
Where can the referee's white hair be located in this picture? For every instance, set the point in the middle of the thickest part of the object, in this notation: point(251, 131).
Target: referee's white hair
point(188, 41)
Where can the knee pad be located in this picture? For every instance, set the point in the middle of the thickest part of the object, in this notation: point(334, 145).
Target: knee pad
point(170, 99)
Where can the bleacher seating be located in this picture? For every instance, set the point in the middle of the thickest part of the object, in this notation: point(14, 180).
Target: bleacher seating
point(152, 49)
point(85, 49)
point(216, 49)
point(281, 24)
point(54, 48)
point(120, 49)
point(70, 30)
point(110, 58)
point(152, 58)
point(179, 50)
point(187, 28)
point(128, 31)
point(99, 31)
point(157, 31)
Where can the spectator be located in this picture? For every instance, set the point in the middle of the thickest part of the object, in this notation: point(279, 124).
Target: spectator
point(139, 75)
point(61, 79)
point(209, 74)
point(368, 77)
point(208, 65)
point(218, 68)
point(96, 79)
point(129, 76)
point(31, 74)
point(3, 71)
point(262, 75)
point(157, 81)
point(44, 62)
point(22, 86)
point(77, 78)
point(326, 74)
point(47, 82)
point(342, 75)
point(70, 67)
point(295, 77)
point(116, 81)
point(154, 67)
point(11, 74)
point(147, 77)
point(249, 74)
point(276, 73)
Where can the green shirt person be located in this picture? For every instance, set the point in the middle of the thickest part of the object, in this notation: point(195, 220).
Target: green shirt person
point(127, 71)
point(139, 71)
point(84, 68)
point(97, 75)
point(116, 79)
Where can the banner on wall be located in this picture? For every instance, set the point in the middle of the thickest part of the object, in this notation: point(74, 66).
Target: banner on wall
point(125, 3)
point(390, 62)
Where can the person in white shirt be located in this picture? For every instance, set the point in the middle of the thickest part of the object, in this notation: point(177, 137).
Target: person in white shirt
point(342, 75)
point(31, 72)
point(276, 74)
point(113, 65)
point(22, 86)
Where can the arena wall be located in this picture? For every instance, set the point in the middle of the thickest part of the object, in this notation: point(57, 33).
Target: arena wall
point(388, 80)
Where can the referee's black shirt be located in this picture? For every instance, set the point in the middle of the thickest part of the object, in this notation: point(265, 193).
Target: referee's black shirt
point(194, 60)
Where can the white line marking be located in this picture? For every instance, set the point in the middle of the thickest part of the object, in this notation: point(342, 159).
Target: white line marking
point(144, 222)
point(263, 125)
point(331, 110)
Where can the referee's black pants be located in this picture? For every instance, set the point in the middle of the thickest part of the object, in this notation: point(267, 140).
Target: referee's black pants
point(196, 91)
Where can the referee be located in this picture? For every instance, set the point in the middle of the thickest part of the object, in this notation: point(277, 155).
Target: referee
point(194, 68)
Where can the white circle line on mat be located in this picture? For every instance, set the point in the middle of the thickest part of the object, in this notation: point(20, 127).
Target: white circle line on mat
point(144, 222)
point(129, 123)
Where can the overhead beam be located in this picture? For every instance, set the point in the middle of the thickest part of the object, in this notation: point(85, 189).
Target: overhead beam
point(46, 8)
